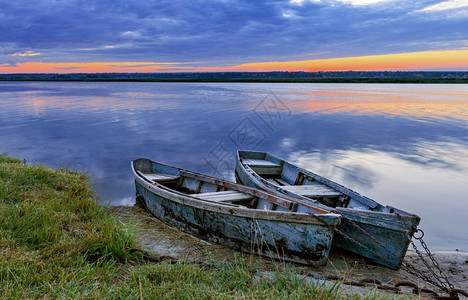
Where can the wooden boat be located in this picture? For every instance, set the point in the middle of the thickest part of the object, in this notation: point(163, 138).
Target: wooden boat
point(234, 215)
point(369, 229)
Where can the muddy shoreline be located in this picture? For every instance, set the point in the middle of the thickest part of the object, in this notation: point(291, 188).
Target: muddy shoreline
point(163, 240)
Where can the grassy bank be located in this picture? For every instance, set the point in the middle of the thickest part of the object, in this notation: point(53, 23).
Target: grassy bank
point(57, 242)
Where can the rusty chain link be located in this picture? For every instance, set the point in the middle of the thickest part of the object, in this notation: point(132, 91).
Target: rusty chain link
point(443, 280)
point(444, 283)
point(396, 288)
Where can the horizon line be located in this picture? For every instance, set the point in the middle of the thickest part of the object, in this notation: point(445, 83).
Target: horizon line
point(435, 60)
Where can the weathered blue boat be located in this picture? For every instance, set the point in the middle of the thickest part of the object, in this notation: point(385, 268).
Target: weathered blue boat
point(234, 215)
point(369, 229)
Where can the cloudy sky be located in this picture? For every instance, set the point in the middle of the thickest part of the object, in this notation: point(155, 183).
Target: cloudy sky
point(227, 35)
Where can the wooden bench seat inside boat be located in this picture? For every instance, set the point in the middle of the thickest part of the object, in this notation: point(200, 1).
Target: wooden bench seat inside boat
point(224, 196)
point(277, 181)
point(159, 177)
point(263, 167)
point(312, 190)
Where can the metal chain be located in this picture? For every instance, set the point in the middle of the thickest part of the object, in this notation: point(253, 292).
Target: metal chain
point(413, 271)
point(434, 261)
point(397, 287)
point(344, 235)
point(407, 267)
point(445, 284)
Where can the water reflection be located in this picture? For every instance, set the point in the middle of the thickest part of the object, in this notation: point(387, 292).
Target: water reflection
point(418, 110)
point(423, 102)
point(404, 145)
point(417, 102)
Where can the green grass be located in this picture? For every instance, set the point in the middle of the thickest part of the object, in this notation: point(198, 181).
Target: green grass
point(57, 242)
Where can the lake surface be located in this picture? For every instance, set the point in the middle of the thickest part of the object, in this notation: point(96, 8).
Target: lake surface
point(402, 145)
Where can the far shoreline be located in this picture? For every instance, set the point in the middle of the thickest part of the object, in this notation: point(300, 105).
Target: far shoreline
point(351, 81)
point(393, 77)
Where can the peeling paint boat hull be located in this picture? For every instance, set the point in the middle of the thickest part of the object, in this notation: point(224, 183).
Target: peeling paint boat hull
point(369, 229)
point(233, 215)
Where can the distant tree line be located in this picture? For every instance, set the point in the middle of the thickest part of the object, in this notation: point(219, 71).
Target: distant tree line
point(332, 77)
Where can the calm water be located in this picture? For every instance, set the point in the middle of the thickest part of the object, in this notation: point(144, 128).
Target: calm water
point(403, 145)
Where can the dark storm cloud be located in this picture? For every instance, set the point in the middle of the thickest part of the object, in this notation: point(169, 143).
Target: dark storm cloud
point(219, 31)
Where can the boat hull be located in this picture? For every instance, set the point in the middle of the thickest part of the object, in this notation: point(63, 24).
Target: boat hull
point(372, 240)
point(377, 236)
point(241, 229)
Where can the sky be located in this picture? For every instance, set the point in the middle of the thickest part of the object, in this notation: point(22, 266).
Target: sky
point(76, 36)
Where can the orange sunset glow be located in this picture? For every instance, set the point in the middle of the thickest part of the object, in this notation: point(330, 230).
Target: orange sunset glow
point(426, 60)
point(89, 67)
point(440, 60)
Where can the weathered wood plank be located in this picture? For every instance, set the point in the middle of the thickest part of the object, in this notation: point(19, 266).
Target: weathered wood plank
point(281, 181)
point(158, 177)
point(260, 162)
point(264, 167)
point(224, 196)
point(266, 170)
point(281, 201)
point(312, 190)
point(276, 181)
